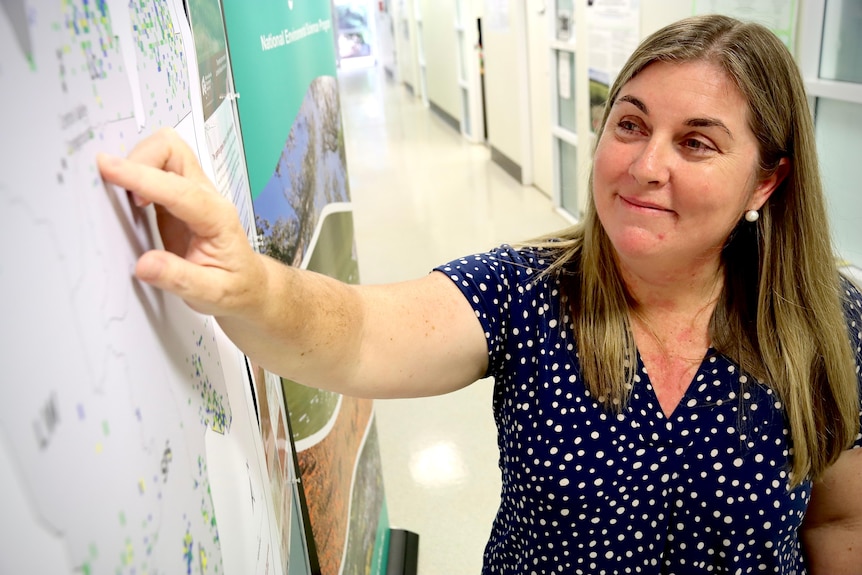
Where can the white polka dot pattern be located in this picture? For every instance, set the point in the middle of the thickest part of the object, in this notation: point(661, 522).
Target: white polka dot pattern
point(590, 492)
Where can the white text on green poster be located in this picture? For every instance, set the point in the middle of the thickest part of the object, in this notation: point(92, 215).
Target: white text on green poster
point(277, 50)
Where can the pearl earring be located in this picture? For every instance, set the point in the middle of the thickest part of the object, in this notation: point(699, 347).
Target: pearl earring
point(752, 216)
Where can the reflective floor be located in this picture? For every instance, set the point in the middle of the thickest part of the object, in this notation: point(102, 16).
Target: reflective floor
point(422, 196)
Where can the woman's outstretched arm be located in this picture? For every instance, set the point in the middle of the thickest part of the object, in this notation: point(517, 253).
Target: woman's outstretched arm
point(408, 339)
point(832, 531)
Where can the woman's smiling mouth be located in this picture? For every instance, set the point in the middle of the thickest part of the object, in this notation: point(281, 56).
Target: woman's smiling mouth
point(632, 202)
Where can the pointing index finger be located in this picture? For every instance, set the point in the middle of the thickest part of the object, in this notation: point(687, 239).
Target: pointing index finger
point(162, 173)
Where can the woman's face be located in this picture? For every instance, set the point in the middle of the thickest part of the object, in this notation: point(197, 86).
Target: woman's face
point(677, 166)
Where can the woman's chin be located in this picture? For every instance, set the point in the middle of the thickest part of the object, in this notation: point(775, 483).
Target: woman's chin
point(640, 243)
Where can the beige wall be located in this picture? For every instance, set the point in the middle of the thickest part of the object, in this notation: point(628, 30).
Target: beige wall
point(438, 17)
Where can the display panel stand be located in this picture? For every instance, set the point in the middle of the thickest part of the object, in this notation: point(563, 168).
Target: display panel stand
point(403, 552)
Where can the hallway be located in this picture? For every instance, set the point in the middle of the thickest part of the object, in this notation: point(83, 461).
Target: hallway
point(422, 196)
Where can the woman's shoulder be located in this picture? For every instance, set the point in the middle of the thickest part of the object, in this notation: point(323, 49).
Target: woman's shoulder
point(851, 295)
point(851, 279)
point(527, 259)
point(851, 301)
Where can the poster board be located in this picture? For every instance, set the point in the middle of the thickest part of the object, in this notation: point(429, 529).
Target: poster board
point(128, 434)
point(284, 69)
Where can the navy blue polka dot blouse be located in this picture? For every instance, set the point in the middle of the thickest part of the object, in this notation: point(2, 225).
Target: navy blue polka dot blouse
point(585, 491)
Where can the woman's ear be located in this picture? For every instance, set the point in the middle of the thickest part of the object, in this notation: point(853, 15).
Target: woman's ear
point(769, 184)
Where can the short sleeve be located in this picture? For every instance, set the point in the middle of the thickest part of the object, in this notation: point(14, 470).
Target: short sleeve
point(852, 299)
point(494, 283)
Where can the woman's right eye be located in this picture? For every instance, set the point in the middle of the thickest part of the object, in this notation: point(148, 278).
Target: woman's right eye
point(627, 126)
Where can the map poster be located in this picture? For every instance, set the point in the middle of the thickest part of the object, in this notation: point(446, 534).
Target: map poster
point(284, 67)
point(135, 450)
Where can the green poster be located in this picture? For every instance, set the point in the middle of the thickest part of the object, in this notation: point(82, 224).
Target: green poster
point(278, 48)
point(284, 69)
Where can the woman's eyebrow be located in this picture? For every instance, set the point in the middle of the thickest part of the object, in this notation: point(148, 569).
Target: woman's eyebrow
point(636, 102)
point(693, 122)
point(708, 123)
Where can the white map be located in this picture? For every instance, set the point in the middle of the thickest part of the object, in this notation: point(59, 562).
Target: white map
point(126, 427)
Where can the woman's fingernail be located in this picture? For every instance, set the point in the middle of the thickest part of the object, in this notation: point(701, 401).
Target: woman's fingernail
point(139, 201)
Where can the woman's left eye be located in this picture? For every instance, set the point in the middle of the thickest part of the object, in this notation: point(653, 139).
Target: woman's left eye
point(697, 145)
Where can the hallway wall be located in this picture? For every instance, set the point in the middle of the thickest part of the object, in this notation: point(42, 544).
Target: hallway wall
point(441, 55)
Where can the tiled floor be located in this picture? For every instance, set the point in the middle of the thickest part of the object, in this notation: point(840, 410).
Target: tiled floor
point(422, 196)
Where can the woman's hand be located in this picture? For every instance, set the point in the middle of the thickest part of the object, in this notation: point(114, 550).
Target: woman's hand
point(208, 261)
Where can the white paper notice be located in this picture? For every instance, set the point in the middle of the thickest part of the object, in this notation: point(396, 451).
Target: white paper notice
point(222, 142)
point(614, 33)
point(497, 15)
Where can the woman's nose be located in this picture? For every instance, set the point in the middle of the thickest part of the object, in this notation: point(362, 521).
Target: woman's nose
point(651, 167)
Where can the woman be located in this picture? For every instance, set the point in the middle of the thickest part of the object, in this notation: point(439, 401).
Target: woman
point(675, 385)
